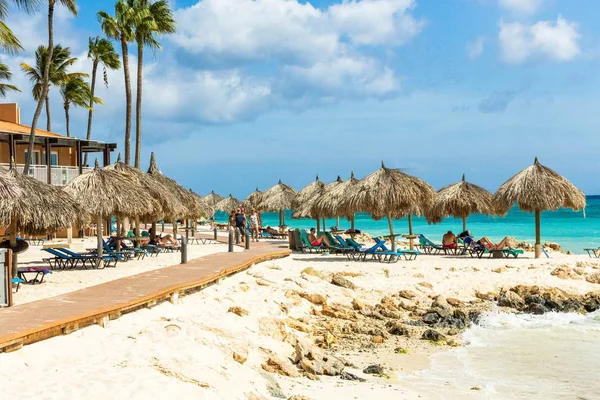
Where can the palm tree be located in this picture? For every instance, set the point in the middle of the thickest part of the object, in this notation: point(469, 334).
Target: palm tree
point(121, 27)
point(8, 41)
point(5, 75)
point(76, 91)
point(100, 51)
point(71, 5)
point(160, 21)
point(61, 60)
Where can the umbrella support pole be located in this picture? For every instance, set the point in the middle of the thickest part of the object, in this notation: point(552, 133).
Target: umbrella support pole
point(13, 245)
point(318, 224)
point(538, 244)
point(324, 226)
point(464, 224)
point(392, 237)
point(410, 232)
point(99, 238)
point(352, 226)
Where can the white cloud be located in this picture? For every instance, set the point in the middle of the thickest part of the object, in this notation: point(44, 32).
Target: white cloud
point(372, 22)
point(475, 48)
point(290, 30)
point(554, 40)
point(523, 7)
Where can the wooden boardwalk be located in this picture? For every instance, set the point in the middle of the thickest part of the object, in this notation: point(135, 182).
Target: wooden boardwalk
point(39, 320)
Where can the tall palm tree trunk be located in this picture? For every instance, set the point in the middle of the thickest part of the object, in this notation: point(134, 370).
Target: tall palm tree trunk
point(127, 100)
point(67, 119)
point(138, 106)
point(91, 111)
point(38, 110)
point(48, 119)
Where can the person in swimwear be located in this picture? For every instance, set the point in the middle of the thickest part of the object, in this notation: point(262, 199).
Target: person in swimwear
point(317, 241)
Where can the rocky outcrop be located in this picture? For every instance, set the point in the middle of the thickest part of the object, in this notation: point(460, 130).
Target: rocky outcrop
point(339, 280)
point(536, 300)
point(315, 361)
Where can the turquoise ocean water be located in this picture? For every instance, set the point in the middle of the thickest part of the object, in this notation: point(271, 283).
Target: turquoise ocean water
point(573, 230)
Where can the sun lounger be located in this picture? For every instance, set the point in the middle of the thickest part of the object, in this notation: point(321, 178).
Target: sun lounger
point(38, 272)
point(408, 255)
point(67, 259)
point(35, 241)
point(343, 244)
point(430, 247)
point(593, 253)
point(306, 245)
point(152, 250)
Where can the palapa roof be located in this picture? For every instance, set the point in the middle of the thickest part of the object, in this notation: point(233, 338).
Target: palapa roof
point(538, 188)
point(212, 198)
point(277, 198)
point(227, 204)
point(252, 200)
point(391, 192)
point(306, 199)
point(334, 202)
point(40, 207)
point(170, 205)
point(9, 188)
point(104, 192)
point(176, 189)
point(460, 200)
point(203, 209)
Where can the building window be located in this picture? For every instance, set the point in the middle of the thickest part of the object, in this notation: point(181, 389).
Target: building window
point(53, 158)
point(35, 160)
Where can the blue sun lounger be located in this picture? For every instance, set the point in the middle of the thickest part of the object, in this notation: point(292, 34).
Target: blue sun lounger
point(408, 255)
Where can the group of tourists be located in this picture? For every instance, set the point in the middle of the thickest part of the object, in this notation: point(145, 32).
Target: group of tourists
point(239, 221)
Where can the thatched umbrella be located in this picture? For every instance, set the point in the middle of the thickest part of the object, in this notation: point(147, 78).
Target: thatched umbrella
point(277, 199)
point(460, 200)
point(390, 193)
point(227, 204)
point(329, 188)
point(212, 199)
point(334, 203)
point(37, 207)
point(305, 200)
point(105, 192)
point(171, 207)
point(202, 209)
point(176, 189)
point(536, 189)
point(252, 200)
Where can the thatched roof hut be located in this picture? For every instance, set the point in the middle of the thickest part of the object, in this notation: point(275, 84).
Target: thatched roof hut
point(228, 204)
point(39, 208)
point(252, 200)
point(171, 206)
point(203, 209)
point(334, 202)
point(278, 198)
point(176, 189)
point(390, 193)
point(212, 198)
point(461, 200)
point(536, 189)
point(305, 200)
point(9, 188)
point(105, 192)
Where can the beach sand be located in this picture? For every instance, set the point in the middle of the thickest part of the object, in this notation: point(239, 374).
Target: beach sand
point(187, 350)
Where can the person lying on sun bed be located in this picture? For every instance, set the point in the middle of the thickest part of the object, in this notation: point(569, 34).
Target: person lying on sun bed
point(485, 241)
point(167, 240)
point(317, 241)
point(449, 240)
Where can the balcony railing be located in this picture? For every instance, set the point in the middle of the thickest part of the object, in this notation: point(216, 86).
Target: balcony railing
point(60, 174)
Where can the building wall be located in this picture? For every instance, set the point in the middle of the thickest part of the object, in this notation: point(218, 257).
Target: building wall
point(10, 112)
point(66, 155)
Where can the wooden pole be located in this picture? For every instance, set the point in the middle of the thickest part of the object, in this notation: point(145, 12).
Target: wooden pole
point(324, 226)
point(392, 237)
point(411, 244)
point(464, 224)
point(318, 224)
point(13, 246)
point(352, 222)
point(538, 244)
point(99, 237)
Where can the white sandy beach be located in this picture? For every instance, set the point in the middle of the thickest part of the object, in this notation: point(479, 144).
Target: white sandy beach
point(187, 350)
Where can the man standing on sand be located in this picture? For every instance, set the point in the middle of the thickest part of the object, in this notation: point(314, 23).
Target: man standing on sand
point(240, 223)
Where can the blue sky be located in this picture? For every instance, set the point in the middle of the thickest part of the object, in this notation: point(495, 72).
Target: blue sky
point(248, 92)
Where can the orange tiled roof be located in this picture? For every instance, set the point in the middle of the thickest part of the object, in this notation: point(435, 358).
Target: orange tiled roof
point(11, 127)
